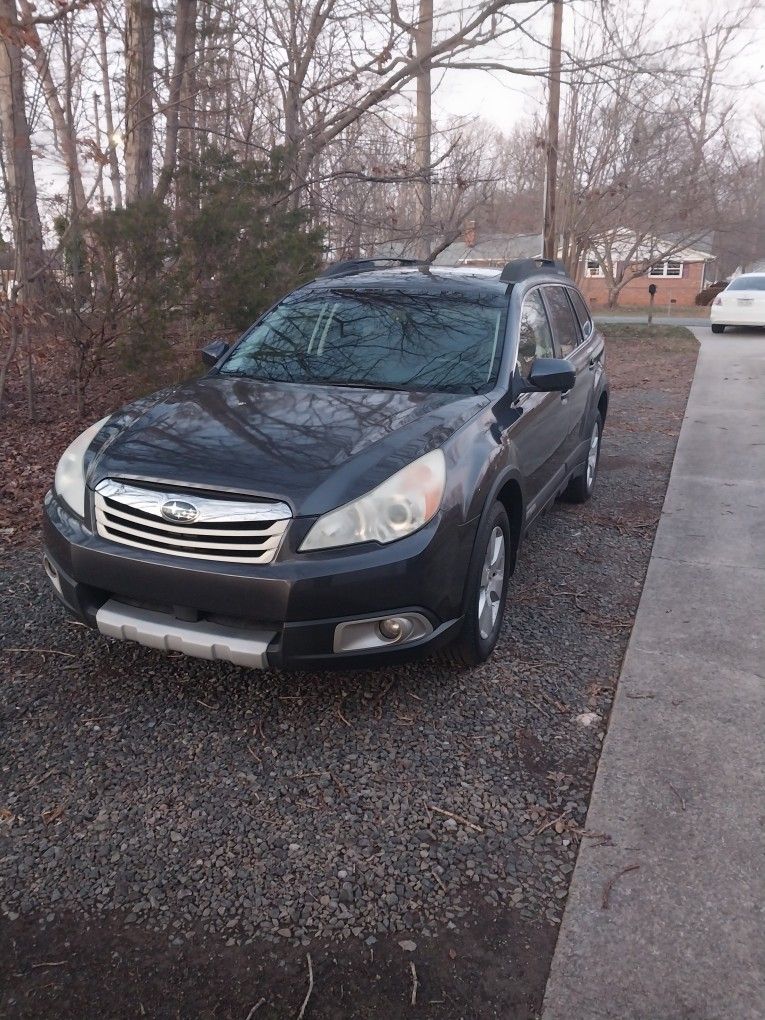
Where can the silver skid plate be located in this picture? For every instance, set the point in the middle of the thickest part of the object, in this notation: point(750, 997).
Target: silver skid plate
point(202, 639)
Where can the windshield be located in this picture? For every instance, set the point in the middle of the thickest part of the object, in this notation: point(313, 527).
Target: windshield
point(747, 283)
point(379, 340)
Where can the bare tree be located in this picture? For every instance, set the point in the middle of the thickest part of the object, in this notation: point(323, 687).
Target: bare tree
point(179, 93)
point(139, 99)
point(111, 136)
point(19, 164)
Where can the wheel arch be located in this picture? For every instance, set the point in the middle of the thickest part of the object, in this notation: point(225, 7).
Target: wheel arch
point(507, 489)
point(603, 406)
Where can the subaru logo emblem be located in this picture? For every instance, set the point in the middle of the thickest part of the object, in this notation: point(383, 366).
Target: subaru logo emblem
point(179, 511)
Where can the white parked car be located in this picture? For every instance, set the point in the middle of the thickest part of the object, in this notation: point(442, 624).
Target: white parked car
point(742, 303)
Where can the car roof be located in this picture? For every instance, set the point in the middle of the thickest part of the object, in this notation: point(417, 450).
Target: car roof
point(465, 281)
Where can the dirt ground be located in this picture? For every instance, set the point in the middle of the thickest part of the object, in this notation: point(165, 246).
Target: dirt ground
point(576, 589)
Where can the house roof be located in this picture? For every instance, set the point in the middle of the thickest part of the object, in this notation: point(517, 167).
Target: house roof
point(652, 247)
point(490, 249)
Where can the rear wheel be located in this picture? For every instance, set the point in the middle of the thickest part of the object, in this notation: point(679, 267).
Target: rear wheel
point(581, 488)
point(487, 591)
point(718, 327)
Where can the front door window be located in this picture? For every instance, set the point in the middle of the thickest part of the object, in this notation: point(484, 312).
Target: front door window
point(535, 336)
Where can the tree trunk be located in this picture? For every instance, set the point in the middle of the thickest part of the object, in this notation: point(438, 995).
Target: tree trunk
point(13, 344)
point(188, 198)
point(114, 166)
point(423, 42)
point(19, 167)
point(180, 93)
point(139, 100)
point(97, 123)
point(63, 128)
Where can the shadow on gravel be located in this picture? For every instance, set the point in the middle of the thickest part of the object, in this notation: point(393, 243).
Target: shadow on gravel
point(177, 836)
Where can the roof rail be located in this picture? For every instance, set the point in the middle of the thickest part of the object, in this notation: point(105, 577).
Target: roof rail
point(366, 266)
point(519, 269)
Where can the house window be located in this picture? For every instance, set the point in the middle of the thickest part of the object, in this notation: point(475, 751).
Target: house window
point(668, 268)
point(594, 268)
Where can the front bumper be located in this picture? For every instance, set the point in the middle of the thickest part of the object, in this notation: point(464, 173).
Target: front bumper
point(293, 605)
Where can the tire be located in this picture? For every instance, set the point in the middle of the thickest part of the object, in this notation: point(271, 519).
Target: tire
point(718, 327)
point(479, 635)
point(581, 487)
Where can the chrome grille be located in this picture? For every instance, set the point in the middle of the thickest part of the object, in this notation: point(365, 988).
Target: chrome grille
point(229, 530)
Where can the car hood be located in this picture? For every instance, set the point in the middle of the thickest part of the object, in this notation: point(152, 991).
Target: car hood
point(315, 447)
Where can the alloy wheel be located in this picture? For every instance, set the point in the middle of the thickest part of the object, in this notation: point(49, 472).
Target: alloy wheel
point(492, 583)
point(592, 456)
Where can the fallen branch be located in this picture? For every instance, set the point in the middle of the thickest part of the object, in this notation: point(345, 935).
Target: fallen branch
point(42, 651)
point(310, 987)
point(678, 795)
point(341, 786)
point(255, 1009)
point(414, 984)
point(342, 718)
point(554, 701)
point(612, 881)
point(552, 821)
point(457, 818)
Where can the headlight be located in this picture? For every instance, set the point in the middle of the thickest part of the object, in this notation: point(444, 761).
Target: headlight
point(69, 482)
point(397, 507)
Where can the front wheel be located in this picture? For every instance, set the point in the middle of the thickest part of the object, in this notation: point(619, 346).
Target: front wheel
point(580, 489)
point(487, 584)
point(718, 327)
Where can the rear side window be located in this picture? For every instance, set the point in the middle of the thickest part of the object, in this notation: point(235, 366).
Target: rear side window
point(582, 313)
point(564, 324)
point(535, 335)
point(747, 283)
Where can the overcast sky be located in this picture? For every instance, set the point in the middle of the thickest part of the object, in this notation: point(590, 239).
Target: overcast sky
point(504, 99)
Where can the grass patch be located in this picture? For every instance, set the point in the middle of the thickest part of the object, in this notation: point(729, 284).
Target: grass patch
point(677, 337)
point(683, 311)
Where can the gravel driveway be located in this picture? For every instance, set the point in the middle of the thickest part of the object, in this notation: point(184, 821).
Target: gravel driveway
point(179, 835)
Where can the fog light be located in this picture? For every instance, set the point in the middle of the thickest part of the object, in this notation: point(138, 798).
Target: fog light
point(380, 632)
point(395, 628)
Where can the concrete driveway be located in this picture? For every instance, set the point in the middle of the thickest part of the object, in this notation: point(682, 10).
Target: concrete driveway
point(664, 916)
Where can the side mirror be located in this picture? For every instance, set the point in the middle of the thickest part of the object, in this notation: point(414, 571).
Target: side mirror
point(213, 352)
point(551, 375)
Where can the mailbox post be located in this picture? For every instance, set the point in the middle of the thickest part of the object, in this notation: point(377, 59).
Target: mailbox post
point(652, 292)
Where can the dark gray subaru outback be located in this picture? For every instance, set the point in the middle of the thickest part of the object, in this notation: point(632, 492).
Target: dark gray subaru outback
point(350, 484)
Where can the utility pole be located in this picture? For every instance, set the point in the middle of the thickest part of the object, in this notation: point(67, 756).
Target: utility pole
point(550, 237)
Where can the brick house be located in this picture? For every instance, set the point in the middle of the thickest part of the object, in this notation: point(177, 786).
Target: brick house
point(678, 279)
